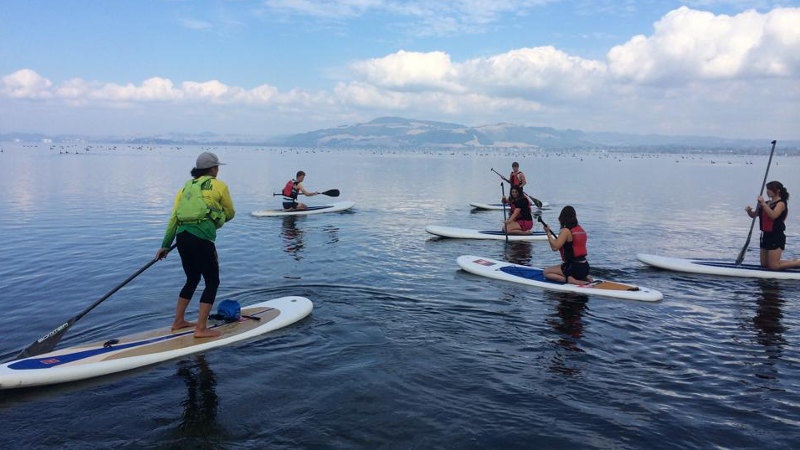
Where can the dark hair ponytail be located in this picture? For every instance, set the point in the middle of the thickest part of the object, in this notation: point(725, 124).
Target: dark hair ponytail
point(200, 172)
point(779, 188)
point(568, 218)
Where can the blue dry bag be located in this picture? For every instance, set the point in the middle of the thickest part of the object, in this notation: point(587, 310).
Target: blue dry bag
point(229, 311)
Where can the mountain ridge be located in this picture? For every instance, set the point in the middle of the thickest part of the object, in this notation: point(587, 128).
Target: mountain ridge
point(402, 133)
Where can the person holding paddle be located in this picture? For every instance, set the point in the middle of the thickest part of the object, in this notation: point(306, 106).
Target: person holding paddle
point(772, 222)
point(517, 178)
point(202, 206)
point(520, 221)
point(292, 189)
point(571, 242)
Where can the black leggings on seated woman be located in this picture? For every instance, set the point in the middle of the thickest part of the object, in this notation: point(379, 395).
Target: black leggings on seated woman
point(199, 258)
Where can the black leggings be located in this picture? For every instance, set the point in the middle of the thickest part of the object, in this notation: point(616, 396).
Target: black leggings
point(199, 257)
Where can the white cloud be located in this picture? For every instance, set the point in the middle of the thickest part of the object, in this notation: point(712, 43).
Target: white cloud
point(697, 45)
point(152, 89)
point(213, 90)
point(534, 72)
point(25, 83)
point(410, 71)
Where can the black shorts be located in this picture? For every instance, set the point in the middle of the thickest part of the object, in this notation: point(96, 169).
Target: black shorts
point(289, 205)
point(773, 240)
point(575, 269)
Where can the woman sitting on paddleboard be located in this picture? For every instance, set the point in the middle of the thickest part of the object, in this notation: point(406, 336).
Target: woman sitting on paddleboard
point(201, 207)
point(571, 242)
point(772, 217)
point(519, 220)
point(292, 189)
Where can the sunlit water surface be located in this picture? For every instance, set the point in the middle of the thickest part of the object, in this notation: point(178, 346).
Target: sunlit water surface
point(404, 350)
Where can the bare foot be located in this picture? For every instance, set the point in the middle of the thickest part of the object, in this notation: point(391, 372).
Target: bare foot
point(182, 324)
point(206, 333)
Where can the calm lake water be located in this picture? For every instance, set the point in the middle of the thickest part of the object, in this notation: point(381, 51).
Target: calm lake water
point(404, 350)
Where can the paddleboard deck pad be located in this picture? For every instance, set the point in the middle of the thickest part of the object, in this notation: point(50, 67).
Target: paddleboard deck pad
point(717, 267)
point(125, 353)
point(319, 209)
point(464, 233)
point(498, 206)
point(531, 276)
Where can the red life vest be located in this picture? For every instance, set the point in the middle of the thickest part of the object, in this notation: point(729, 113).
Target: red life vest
point(576, 249)
point(776, 224)
point(289, 191)
point(514, 179)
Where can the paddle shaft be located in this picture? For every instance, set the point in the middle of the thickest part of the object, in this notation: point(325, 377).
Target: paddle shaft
point(505, 225)
point(545, 225)
point(329, 193)
point(47, 342)
point(740, 258)
point(501, 176)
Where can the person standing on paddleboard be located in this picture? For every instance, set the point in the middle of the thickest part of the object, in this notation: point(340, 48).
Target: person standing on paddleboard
point(772, 221)
point(517, 178)
point(292, 189)
point(520, 220)
point(571, 242)
point(202, 206)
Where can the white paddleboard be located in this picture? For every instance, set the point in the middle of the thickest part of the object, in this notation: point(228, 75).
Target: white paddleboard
point(318, 209)
point(106, 357)
point(534, 277)
point(465, 233)
point(717, 267)
point(498, 206)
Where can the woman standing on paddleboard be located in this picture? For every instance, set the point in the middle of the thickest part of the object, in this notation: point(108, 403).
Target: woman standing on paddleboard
point(202, 206)
point(519, 220)
point(772, 217)
point(571, 242)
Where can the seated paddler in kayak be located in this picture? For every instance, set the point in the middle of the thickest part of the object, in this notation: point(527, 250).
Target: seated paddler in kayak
point(292, 189)
point(772, 221)
point(571, 242)
point(520, 220)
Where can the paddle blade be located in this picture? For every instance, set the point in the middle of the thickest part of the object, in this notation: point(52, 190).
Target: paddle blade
point(331, 193)
point(740, 258)
point(537, 202)
point(47, 342)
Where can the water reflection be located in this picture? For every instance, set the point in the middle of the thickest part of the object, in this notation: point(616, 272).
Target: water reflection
point(567, 322)
point(333, 234)
point(201, 404)
point(293, 243)
point(519, 253)
point(768, 327)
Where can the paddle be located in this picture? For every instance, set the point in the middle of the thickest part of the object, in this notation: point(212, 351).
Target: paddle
point(505, 225)
point(535, 201)
point(47, 342)
point(740, 258)
point(547, 227)
point(329, 193)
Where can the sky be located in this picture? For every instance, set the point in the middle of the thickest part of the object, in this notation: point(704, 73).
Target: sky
point(728, 68)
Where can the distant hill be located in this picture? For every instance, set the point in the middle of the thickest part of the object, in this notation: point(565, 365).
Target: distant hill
point(397, 132)
point(401, 133)
point(392, 132)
